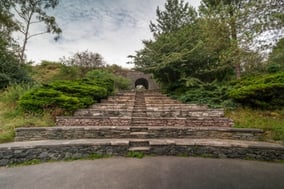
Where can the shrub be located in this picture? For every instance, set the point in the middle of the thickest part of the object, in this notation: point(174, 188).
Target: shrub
point(212, 94)
point(263, 91)
point(4, 80)
point(67, 95)
point(109, 80)
point(11, 71)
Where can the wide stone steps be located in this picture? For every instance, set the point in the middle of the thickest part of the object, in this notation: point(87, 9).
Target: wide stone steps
point(146, 122)
point(108, 132)
point(143, 121)
point(44, 150)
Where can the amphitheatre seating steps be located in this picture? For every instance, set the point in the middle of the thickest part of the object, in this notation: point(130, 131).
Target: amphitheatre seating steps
point(147, 122)
point(101, 132)
point(45, 150)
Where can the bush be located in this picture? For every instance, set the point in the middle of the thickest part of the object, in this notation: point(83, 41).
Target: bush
point(264, 91)
point(212, 94)
point(11, 71)
point(4, 80)
point(109, 80)
point(43, 98)
point(67, 95)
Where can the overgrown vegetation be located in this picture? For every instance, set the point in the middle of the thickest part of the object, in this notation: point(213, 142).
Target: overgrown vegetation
point(12, 116)
point(56, 89)
point(270, 121)
point(263, 91)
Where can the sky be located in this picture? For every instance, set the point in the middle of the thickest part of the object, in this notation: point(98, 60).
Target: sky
point(112, 28)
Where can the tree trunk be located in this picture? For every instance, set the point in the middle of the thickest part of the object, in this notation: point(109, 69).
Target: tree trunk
point(234, 39)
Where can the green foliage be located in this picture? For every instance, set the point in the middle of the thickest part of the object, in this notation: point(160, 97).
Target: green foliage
point(84, 61)
point(135, 154)
point(212, 94)
point(11, 115)
point(4, 80)
point(176, 15)
point(29, 13)
point(10, 70)
point(13, 93)
point(276, 58)
point(269, 121)
point(263, 91)
point(67, 95)
point(109, 80)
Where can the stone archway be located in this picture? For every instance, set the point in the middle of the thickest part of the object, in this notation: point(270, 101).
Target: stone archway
point(143, 82)
point(139, 78)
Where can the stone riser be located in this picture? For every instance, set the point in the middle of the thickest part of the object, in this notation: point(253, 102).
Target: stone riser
point(20, 152)
point(123, 121)
point(149, 113)
point(118, 101)
point(188, 106)
point(63, 133)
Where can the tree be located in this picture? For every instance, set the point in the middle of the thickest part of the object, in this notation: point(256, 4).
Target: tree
point(7, 25)
point(276, 57)
point(85, 60)
point(31, 12)
point(176, 15)
point(246, 20)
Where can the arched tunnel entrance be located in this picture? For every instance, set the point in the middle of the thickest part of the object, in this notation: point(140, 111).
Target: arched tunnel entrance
point(143, 82)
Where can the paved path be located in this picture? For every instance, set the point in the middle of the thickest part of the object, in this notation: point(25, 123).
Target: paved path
point(146, 173)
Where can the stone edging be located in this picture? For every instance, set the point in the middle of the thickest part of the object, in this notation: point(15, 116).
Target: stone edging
point(19, 152)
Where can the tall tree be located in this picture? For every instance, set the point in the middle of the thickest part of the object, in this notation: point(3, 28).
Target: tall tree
point(31, 12)
point(7, 25)
point(176, 14)
point(246, 20)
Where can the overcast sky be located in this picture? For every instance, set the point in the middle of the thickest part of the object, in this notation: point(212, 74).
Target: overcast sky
point(113, 28)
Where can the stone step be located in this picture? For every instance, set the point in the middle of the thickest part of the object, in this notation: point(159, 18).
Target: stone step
point(112, 112)
point(101, 132)
point(139, 143)
point(139, 135)
point(45, 150)
point(143, 149)
point(147, 121)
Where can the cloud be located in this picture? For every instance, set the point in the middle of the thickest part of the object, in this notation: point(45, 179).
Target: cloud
point(113, 28)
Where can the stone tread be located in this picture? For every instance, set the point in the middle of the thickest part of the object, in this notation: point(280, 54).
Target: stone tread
point(139, 149)
point(140, 127)
point(181, 142)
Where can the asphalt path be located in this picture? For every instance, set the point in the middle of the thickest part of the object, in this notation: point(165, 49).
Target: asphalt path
point(147, 173)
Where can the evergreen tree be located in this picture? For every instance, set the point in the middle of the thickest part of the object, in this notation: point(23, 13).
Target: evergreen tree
point(176, 14)
point(247, 21)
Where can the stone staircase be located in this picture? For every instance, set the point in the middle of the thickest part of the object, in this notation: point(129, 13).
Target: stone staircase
point(147, 122)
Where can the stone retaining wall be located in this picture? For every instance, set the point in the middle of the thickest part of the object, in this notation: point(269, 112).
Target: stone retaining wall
point(58, 133)
point(150, 113)
point(146, 121)
point(59, 150)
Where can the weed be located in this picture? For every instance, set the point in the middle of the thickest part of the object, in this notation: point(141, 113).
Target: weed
point(135, 154)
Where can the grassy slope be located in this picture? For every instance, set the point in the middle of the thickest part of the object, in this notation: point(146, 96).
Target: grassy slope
point(271, 121)
point(11, 117)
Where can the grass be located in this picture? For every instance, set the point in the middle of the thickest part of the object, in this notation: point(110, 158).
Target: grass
point(11, 116)
point(270, 121)
point(135, 154)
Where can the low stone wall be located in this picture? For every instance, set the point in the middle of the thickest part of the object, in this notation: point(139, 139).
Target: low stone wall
point(92, 121)
point(20, 152)
point(188, 122)
point(145, 121)
point(60, 133)
point(119, 112)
